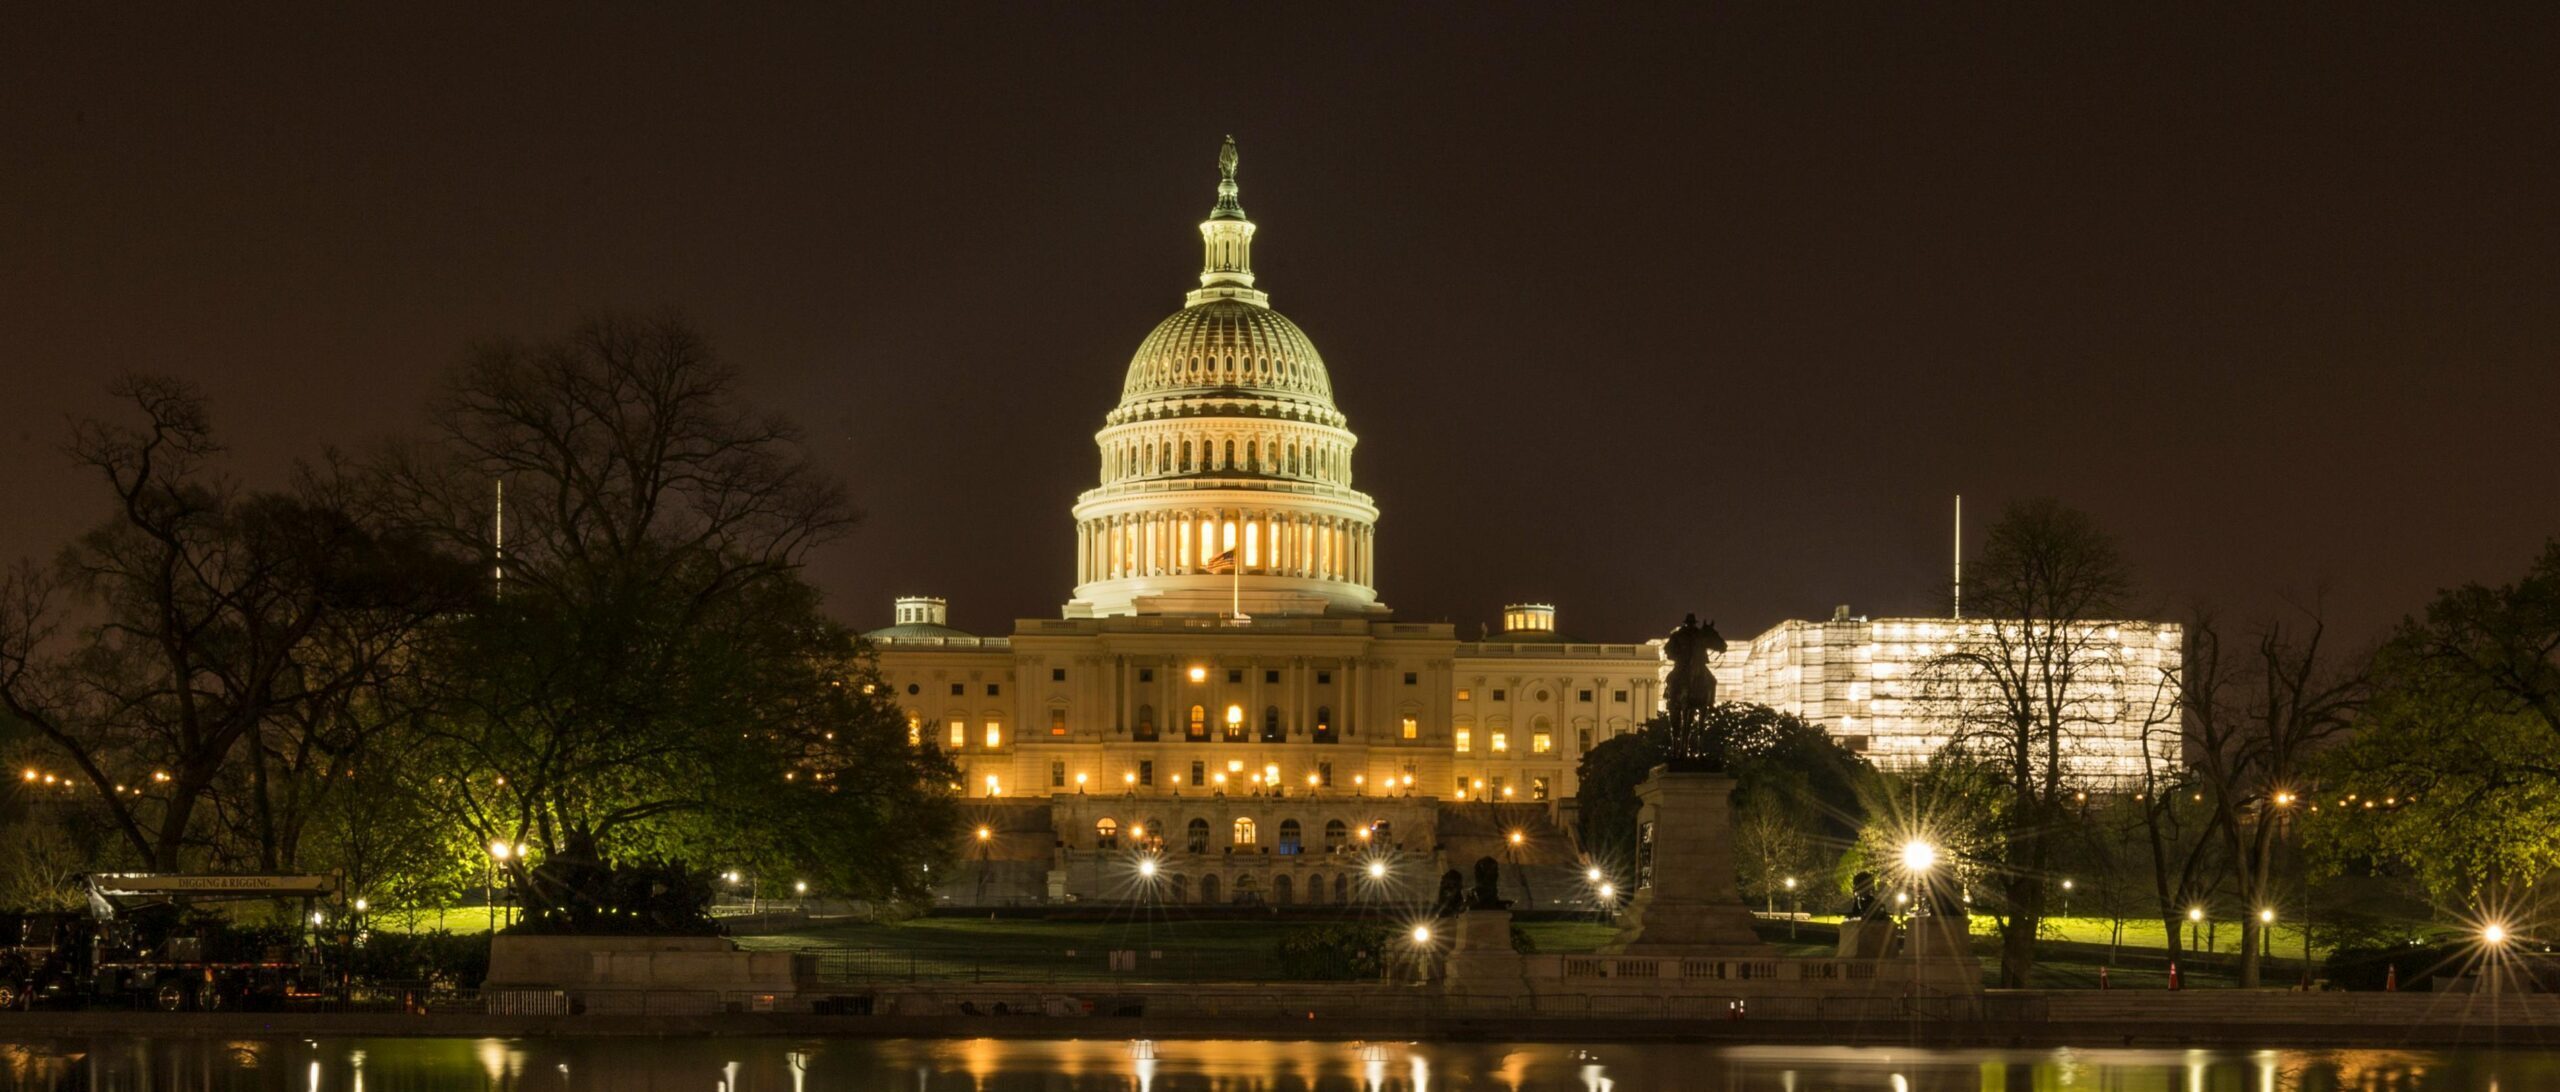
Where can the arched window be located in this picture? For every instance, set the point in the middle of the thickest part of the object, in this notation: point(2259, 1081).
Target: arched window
point(1186, 456)
point(1235, 724)
point(1324, 724)
point(1199, 732)
point(1342, 888)
point(1288, 837)
point(1336, 835)
point(1244, 831)
point(1146, 727)
point(1180, 890)
point(1315, 890)
point(1252, 456)
point(1153, 836)
point(1380, 832)
point(1196, 836)
point(1231, 456)
point(1209, 889)
point(1271, 724)
point(1280, 891)
point(1106, 833)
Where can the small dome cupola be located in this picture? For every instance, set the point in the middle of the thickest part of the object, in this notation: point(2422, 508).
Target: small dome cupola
point(923, 610)
point(1529, 620)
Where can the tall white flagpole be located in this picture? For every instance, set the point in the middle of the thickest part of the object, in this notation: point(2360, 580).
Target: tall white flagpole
point(1959, 555)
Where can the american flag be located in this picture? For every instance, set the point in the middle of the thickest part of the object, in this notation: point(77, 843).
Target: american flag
point(1223, 563)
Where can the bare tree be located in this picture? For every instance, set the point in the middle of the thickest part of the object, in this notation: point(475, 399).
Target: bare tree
point(2256, 715)
point(2026, 681)
point(198, 608)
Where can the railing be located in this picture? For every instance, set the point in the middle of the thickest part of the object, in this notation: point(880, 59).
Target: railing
point(1692, 969)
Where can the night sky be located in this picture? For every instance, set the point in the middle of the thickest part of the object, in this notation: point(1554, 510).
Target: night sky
point(1634, 315)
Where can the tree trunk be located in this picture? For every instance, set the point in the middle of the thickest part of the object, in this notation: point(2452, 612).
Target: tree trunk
point(2024, 893)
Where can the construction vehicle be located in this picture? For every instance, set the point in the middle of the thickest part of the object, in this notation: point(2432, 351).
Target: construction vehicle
point(145, 942)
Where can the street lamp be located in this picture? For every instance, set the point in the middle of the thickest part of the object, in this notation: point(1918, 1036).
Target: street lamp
point(2494, 934)
point(498, 853)
point(2195, 919)
point(2066, 898)
point(1795, 907)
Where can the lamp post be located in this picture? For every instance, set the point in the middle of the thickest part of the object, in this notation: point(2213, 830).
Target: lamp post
point(2195, 921)
point(1918, 857)
point(1795, 907)
point(2066, 898)
point(498, 851)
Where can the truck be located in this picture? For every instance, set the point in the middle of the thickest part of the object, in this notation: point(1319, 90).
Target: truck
point(145, 941)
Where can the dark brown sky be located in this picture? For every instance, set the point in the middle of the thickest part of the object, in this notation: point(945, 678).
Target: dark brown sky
point(1640, 315)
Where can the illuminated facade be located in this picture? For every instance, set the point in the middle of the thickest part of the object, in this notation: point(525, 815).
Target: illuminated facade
point(1895, 689)
point(1223, 685)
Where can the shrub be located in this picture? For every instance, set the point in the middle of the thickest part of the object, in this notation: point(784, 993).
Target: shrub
point(1333, 952)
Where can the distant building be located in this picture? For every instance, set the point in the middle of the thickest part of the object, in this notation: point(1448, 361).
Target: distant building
point(1887, 688)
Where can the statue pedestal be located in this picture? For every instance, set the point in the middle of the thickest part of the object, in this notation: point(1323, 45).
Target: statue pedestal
point(1689, 904)
point(1481, 959)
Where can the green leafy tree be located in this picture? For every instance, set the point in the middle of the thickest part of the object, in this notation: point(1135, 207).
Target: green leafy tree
point(653, 678)
point(2452, 768)
point(1798, 785)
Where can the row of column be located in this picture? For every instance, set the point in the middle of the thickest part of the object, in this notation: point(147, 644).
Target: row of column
point(1172, 695)
point(1265, 543)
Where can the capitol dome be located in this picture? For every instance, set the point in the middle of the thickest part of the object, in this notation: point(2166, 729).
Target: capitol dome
point(1229, 346)
point(1226, 469)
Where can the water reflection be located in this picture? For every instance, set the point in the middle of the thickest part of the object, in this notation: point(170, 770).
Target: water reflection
point(993, 1065)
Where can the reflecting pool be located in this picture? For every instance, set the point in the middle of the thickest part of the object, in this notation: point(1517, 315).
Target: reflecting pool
point(1000, 1065)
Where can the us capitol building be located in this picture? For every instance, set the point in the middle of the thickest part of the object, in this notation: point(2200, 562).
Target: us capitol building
point(1225, 687)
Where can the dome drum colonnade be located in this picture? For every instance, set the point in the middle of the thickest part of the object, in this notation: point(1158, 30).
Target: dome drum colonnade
point(1226, 442)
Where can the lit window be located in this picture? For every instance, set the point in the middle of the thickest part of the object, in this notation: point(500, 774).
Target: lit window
point(915, 730)
point(1199, 674)
point(995, 734)
point(1235, 765)
point(993, 787)
point(959, 734)
point(1541, 743)
point(1537, 788)
point(1057, 722)
point(1244, 832)
point(1106, 833)
point(1466, 740)
point(1412, 730)
point(1465, 695)
point(1501, 741)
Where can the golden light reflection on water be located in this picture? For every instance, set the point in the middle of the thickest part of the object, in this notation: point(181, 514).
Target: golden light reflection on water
point(1120, 1065)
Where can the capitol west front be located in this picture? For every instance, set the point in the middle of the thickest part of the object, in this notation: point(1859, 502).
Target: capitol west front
point(1224, 683)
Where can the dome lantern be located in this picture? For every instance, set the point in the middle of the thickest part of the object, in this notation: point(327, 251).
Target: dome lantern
point(1226, 242)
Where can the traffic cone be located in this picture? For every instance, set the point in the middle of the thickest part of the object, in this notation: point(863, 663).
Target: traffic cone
point(2173, 975)
point(2391, 979)
point(2102, 977)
